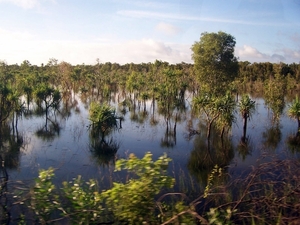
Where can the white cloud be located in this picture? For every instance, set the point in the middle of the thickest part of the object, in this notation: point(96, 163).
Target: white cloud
point(26, 4)
point(7, 35)
point(17, 47)
point(167, 29)
point(290, 54)
point(248, 51)
point(251, 54)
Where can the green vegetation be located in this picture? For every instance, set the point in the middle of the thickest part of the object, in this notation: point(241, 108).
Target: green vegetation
point(103, 119)
point(269, 194)
point(131, 202)
point(246, 108)
point(294, 111)
point(215, 64)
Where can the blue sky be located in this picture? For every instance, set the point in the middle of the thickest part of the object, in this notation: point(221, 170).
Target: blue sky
point(124, 31)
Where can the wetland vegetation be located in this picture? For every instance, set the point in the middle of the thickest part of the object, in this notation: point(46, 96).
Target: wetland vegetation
point(212, 142)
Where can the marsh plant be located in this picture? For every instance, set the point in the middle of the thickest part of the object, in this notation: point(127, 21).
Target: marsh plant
point(269, 194)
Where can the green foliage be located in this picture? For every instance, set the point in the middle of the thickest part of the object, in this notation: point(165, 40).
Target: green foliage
point(275, 90)
point(246, 106)
point(258, 198)
point(294, 110)
point(49, 95)
point(215, 63)
point(220, 216)
point(43, 199)
point(84, 205)
point(134, 200)
point(103, 118)
point(215, 109)
point(216, 171)
point(177, 212)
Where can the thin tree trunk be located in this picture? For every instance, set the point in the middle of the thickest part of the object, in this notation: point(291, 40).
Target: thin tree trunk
point(245, 127)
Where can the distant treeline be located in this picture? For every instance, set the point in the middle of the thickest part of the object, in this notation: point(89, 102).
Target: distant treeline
point(113, 75)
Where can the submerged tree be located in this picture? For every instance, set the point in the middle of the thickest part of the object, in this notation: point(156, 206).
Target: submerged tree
point(246, 108)
point(275, 90)
point(215, 109)
point(47, 95)
point(294, 112)
point(103, 118)
point(47, 98)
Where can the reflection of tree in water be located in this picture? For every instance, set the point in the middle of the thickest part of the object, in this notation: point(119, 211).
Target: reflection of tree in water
point(10, 145)
point(48, 105)
point(103, 121)
point(4, 213)
point(272, 136)
point(293, 142)
point(171, 113)
point(104, 152)
point(49, 131)
point(205, 156)
point(69, 103)
point(169, 139)
point(244, 147)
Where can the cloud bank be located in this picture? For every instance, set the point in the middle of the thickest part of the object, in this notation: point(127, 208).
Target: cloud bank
point(16, 46)
point(248, 53)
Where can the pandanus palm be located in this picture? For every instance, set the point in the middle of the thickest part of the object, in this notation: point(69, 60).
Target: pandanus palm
point(294, 111)
point(103, 118)
point(247, 108)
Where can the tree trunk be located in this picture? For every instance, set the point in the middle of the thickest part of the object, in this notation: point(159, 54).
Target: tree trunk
point(245, 116)
point(209, 130)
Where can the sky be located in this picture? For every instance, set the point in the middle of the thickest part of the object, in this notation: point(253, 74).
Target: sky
point(125, 31)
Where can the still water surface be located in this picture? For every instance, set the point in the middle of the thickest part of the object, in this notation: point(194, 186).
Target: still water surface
point(69, 150)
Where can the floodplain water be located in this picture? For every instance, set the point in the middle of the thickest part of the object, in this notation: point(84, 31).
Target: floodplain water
point(68, 149)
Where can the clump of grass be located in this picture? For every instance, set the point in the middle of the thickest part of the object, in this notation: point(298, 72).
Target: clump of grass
point(269, 194)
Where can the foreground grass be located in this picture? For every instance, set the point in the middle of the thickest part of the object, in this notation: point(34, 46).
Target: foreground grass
point(269, 194)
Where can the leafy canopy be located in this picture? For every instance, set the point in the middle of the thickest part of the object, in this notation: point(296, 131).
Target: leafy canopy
point(215, 63)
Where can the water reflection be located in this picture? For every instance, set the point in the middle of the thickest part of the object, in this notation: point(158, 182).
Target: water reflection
point(155, 128)
point(272, 136)
point(10, 144)
point(169, 139)
point(204, 156)
point(104, 152)
point(49, 131)
point(245, 147)
point(293, 142)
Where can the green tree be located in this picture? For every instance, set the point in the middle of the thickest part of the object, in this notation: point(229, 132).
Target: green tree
point(103, 119)
point(246, 108)
point(215, 63)
point(275, 90)
point(294, 110)
point(48, 95)
point(215, 109)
